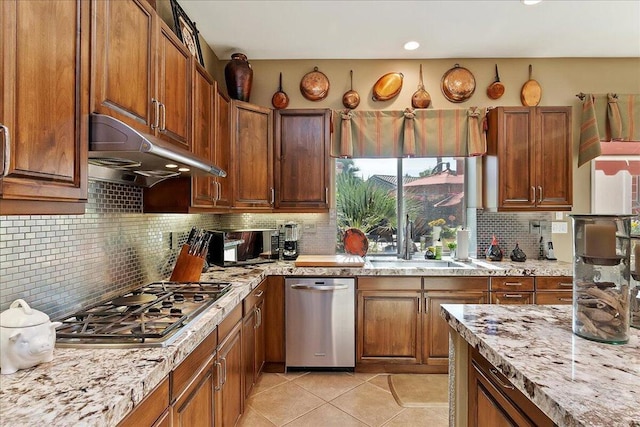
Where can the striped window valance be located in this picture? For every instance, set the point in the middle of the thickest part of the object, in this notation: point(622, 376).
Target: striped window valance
point(607, 117)
point(409, 133)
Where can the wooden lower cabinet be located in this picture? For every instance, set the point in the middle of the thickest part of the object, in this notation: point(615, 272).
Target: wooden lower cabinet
point(194, 407)
point(388, 327)
point(494, 402)
point(273, 319)
point(554, 298)
point(229, 396)
point(253, 336)
point(446, 290)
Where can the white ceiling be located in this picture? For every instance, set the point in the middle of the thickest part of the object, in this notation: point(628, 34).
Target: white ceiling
point(361, 29)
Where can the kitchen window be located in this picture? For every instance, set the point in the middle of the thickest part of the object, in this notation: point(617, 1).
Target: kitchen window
point(375, 195)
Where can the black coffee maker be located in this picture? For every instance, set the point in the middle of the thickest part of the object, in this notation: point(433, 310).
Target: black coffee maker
point(290, 248)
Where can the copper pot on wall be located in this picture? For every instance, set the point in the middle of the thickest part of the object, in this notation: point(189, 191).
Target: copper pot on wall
point(238, 75)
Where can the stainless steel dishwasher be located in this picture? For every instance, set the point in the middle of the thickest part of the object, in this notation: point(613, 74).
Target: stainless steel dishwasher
point(320, 322)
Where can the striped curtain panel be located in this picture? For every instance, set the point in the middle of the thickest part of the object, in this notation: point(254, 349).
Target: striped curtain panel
point(607, 117)
point(409, 133)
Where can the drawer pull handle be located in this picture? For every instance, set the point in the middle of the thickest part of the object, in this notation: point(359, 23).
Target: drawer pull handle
point(259, 293)
point(512, 284)
point(494, 374)
point(513, 295)
point(565, 299)
point(565, 285)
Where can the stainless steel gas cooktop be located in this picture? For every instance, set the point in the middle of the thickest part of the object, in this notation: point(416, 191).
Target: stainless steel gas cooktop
point(150, 316)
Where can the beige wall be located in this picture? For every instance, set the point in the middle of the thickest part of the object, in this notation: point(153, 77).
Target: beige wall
point(561, 79)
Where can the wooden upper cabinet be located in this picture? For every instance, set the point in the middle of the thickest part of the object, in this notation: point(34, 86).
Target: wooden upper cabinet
point(302, 139)
point(141, 70)
point(252, 156)
point(123, 62)
point(528, 165)
point(44, 81)
point(203, 190)
point(222, 150)
point(173, 87)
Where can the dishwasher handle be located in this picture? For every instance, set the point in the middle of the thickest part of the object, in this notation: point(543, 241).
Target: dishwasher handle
point(320, 287)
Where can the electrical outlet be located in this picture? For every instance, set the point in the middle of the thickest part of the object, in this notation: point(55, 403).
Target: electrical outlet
point(534, 226)
point(559, 216)
point(173, 240)
point(559, 227)
point(310, 228)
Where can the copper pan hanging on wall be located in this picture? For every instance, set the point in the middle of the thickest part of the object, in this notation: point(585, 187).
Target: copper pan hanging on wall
point(387, 87)
point(351, 98)
point(458, 84)
point(314, 85)
point(421, 98)
point(280, 99)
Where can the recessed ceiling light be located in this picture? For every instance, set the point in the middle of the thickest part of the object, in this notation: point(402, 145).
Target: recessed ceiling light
point(412, 45)
point(530, 2)
point(170, 166)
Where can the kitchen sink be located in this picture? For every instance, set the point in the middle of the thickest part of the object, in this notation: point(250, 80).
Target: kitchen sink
point(393, 262)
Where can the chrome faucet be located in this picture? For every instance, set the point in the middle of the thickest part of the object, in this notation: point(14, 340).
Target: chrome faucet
point(406, 251)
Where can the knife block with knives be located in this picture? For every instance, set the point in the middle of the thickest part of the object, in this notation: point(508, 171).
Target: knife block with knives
point(191, 259)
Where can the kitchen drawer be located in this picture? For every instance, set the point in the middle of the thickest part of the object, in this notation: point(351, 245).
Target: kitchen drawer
point(251, 300)
point(554, 283)
point(514, 297)
point(229, 322)
point(512, 284)
point(554, 297)
point(391, 283)
point(456, 283)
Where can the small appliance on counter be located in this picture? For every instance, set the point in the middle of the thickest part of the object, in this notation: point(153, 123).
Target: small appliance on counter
point(290, 249)
point(232, 248)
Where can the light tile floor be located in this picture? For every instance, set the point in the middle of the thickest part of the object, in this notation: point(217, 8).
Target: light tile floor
point(326, 399)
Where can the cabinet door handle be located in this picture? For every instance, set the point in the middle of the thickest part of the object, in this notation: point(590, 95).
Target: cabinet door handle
point(163, 108)
point(540, 200)
point(156, 113)
point(258, 321)
point(533, 194)
point(273, 195)
point(218, 385)
point(494, 374)
point(7, 150)
point(224, 375)
point(259, 293)
point(326, 194)
point(215, 185)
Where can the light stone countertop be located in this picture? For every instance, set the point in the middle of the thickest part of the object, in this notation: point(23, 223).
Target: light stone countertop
point(574, 381)
point(98, 387)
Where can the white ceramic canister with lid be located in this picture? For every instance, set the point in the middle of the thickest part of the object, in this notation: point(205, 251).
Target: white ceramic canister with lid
point(27, 337)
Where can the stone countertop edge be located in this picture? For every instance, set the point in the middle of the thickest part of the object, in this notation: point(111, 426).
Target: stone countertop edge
point(99, 387)
point(574, 381)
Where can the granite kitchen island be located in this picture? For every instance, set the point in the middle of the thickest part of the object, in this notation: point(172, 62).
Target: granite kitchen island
point(530, 351)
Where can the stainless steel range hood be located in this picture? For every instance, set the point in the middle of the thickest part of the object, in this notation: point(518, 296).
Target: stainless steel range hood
point(119, 153)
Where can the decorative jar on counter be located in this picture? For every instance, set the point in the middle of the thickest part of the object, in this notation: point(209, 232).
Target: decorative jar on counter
point(601, 277)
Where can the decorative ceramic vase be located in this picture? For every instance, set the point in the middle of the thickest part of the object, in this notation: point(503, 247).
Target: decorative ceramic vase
point(238, 75)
